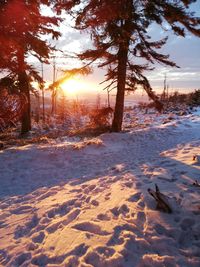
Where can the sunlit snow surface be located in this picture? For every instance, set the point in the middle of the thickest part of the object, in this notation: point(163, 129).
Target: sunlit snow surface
point(85, 203)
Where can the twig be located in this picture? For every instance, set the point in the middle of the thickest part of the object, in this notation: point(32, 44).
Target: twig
point(196, 183)
point(162, 203)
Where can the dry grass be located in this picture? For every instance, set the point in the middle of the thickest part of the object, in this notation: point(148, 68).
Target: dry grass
point(89, 131)
point(12, 137)
point(95, 141)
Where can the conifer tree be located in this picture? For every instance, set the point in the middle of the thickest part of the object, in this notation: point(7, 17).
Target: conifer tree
point(119, 30)
point(21, 28)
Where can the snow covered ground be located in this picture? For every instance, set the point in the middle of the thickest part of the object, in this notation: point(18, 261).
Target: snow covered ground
point(85, 203)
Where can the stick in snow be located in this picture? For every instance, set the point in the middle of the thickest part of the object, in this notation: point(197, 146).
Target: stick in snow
point(196, 158)
point(196, 183)
point(162, 203)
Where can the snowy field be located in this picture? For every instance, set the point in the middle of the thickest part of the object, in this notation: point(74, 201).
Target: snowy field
point(85, 203)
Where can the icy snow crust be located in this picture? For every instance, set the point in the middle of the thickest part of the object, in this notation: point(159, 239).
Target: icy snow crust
point(86, 203)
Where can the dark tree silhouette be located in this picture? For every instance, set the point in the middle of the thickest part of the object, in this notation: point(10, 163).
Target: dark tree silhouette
point(21, 27)
point(119, 29)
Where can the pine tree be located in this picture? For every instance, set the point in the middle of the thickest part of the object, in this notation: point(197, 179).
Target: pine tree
point(119, 29)
point(21, 27)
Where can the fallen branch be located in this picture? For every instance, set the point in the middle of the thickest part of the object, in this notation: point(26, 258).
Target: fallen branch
point(196, 183)
point(162, 203)
point(196, 158)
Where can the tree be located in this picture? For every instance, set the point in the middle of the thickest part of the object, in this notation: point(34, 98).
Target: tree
point(21, 27)
point(12, 103)
point(119, 29)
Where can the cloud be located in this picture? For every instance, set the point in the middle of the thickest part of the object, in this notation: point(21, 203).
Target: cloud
point(184, 51)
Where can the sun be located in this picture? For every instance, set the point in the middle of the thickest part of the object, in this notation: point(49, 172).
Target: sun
point(71, 87)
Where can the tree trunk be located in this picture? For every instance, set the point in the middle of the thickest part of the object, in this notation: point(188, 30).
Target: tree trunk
point(24, 89)
point(43, 104)
point(52, 102)
point(26, 116)
point(108, 98)
point(43, 100)
point(121, 83)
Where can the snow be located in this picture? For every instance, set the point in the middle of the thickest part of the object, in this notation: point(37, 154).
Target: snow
point(85, 203)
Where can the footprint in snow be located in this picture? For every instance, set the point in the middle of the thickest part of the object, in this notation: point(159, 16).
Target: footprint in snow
point(32, 246)
point(53, 227)
point(88, 199)
point(91, 228)
point(94, 203)
point(47, 194)
point(135, 197)
point(105, 251)
point(118, 238)
point(3, 224)
point(116, 211)
point(71, 216)
point(87, 190)
point(21, 259)
point(62, 209)
point(24, 230)
point(22, 209)
point(4, 257)
point(140, 218)
point(103, 217)
point(75, 191)
point(38, 237)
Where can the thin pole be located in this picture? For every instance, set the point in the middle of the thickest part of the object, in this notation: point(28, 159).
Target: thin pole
point(54, 79)
point(43, 104)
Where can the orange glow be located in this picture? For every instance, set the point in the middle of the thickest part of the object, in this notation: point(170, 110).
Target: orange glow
point(72, 86)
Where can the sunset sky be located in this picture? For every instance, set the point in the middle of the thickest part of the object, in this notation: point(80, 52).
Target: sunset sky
point(184, 51)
